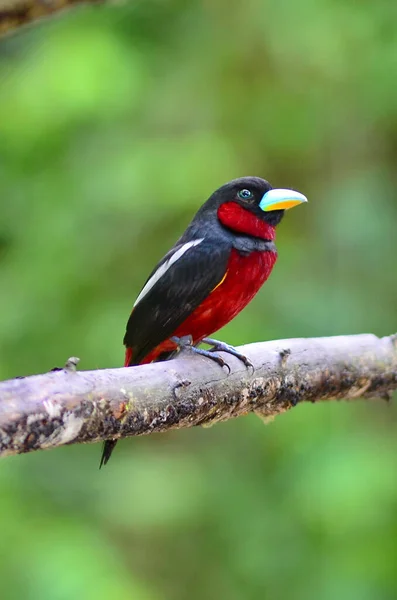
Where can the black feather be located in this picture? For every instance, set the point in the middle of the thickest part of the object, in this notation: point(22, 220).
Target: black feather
point(108, 448)
point(177, 293)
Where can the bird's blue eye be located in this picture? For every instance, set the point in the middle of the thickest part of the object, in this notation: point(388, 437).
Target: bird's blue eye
point(245, 194)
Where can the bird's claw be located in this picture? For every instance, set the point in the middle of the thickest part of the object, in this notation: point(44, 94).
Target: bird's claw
point(215, 356)
point(186, 343)
point(223, 347)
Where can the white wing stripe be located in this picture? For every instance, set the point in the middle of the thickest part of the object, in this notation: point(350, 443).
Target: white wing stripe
point(165, 266)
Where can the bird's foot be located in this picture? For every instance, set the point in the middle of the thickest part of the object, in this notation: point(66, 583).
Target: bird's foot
point(186, 343)
point(222, 347)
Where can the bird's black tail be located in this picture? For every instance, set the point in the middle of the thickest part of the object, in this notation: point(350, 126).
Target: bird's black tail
point(108, 448)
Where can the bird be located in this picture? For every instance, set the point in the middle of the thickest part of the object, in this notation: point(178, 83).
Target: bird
point(210, 274)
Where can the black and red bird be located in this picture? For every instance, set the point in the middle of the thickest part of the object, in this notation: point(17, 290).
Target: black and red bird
point(210, 274)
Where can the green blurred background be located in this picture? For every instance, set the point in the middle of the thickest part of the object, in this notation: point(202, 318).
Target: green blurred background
point(116, 123)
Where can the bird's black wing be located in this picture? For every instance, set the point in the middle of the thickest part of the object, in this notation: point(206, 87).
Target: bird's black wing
point(178, 285)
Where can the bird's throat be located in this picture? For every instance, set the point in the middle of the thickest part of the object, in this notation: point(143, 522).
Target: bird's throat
point(238, 219)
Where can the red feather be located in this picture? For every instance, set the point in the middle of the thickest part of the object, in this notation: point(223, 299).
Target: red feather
point(128, 357)
point(245, 276)
point(235, 217)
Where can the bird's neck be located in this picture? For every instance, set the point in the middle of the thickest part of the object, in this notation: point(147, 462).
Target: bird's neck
point(238, 219)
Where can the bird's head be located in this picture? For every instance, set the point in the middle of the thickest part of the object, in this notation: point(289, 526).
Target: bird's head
point(250, 205)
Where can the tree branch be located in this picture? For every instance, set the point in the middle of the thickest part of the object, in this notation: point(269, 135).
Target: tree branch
point(17, 13)
point(68, 407)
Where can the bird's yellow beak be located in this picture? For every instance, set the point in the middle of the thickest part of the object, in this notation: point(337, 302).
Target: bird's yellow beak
point(281, 200)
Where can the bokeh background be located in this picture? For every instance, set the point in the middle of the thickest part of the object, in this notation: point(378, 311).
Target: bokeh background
point(116, 123)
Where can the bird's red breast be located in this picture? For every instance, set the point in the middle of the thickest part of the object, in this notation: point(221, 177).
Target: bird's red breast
point(244, 276)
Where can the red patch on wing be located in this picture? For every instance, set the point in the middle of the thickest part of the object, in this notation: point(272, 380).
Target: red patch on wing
point(239, 219)
point(128, 357)
point(245, 275)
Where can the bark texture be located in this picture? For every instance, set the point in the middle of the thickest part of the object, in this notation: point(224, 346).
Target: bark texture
point(68, 406)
